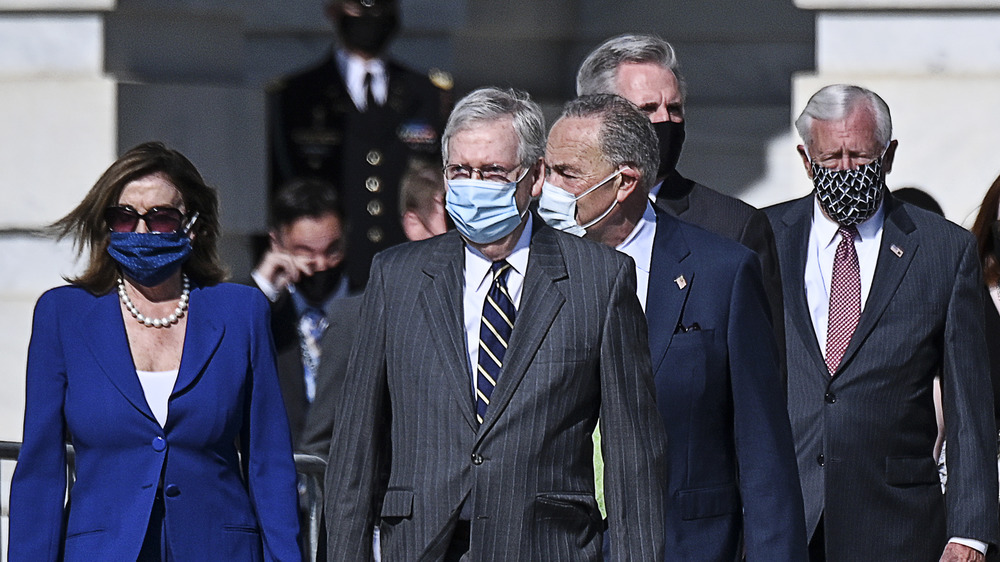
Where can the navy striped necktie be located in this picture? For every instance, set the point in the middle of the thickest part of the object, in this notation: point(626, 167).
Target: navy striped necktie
point(494, 334)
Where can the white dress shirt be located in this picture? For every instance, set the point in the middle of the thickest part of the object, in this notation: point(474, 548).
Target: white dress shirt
point(823, 241)
point(156, 387)
point(353, 69)
point(478, 279)
point(639, 246)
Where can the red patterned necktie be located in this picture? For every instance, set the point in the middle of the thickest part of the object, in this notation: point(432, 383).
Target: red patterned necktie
point(845, 298)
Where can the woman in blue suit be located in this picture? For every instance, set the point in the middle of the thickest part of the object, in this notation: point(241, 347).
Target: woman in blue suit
point(163, 379)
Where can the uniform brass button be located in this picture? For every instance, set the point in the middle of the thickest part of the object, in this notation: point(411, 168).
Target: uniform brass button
point(374, 207)
point(375, 234)
point(374, 157)
point(373, 184)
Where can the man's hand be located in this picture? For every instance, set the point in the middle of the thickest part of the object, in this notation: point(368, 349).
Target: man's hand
point(955, 552)
point(282, 268)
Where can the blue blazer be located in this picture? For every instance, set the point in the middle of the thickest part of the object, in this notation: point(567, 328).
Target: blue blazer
point(81, 380)
point(731, 462)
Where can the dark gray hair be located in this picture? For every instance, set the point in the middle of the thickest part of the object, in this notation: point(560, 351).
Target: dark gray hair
point(836, 102)
point(626, 136)
point(490, 104)
point(598, 71)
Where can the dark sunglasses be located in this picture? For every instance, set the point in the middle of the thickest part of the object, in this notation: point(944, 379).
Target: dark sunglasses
point(123, 218)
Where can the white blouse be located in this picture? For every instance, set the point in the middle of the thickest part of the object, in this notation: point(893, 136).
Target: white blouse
point(157, 386)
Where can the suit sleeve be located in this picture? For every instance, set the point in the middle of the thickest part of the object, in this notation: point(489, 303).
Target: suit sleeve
point(968, 409)
point(633, 439)
point(267, 447)
point(38, 486)
point(759, 237)
point(329, 383)
point(774, 522)
point(353, 467)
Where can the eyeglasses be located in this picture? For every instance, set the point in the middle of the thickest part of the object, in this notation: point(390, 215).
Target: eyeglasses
point(494, 173)
point(123, 218)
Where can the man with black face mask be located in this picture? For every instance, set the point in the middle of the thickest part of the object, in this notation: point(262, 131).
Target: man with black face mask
point(355, 119)
point(880, 297)
point(302, 275)
point(644, 70)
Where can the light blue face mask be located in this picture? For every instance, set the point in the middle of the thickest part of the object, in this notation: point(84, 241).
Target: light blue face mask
point(557, 207)
point(484, 211)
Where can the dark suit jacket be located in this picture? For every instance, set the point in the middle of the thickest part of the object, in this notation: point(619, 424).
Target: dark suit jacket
point(81, 379)
point(731, 463)
point(315, 130)
point(338, 340)
point(578, 350)
point(865, 437)
point(733, 219)
point(336, 346)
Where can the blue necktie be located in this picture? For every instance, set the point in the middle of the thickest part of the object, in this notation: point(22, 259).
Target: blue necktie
point(494, 334)
point(312, 324)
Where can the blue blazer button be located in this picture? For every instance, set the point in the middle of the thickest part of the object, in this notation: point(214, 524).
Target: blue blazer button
point(172, 491)
point(159, 444)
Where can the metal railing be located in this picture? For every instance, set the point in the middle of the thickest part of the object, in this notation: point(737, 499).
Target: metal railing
point(309, 467)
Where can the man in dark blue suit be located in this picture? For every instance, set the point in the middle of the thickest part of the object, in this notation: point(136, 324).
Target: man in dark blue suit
point(731, 476)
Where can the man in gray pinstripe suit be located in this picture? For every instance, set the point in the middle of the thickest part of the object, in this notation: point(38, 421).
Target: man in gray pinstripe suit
point(484, 469)
point(880, 296)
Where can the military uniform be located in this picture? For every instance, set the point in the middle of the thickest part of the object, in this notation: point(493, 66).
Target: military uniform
point(316, 130)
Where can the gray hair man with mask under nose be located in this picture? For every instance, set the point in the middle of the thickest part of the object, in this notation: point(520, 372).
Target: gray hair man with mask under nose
point(881, 296)
point(715, 364)
point(492, 350)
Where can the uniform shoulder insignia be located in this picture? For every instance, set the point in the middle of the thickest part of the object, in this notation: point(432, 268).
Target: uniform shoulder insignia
point(275, 84)
point(440, 78)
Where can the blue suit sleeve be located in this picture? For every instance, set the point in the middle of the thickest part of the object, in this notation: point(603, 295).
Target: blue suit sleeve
point(38, 487)
point(774, 522)
point(267, 447)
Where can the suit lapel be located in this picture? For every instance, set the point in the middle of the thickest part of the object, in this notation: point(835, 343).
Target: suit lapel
point(441, 298)
point(798, 220)
point(541, 300)
point(110, 348)
point(202, 338)
point(898, 232)
point(669, 286)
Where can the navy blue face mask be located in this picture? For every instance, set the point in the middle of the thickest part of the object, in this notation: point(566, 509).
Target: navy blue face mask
point(150, 258)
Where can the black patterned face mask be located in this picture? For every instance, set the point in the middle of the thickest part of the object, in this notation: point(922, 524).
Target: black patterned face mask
point(850, 196)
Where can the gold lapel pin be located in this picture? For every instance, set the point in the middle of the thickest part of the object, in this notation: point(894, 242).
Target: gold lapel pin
point(681, 282)
point(896, 250)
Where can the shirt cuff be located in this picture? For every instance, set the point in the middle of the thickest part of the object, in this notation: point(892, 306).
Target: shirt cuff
point(265, 286)
point(971, 543)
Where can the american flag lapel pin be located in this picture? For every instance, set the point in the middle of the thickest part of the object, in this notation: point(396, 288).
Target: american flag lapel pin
point(681, 282)
point(896, 250)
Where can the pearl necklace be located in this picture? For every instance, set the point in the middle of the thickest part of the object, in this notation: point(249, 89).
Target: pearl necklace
point(156, 322)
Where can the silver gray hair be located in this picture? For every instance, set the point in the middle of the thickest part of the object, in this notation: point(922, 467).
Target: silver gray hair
point(599, 70)
point(626, 136)
point(836, 102)
point(490, 104)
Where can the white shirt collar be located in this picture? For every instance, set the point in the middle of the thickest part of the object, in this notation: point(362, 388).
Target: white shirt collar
point(353, 69)
point(826, 228)
point(477, 266)
point(639, 243)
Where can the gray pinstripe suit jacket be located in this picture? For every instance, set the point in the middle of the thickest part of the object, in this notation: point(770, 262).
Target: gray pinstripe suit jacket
point(864, 438)
point(578, 350)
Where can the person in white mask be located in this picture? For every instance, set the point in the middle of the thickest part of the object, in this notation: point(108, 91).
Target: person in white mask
point(732, 484)
point(493, 349)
